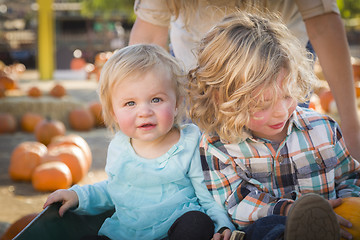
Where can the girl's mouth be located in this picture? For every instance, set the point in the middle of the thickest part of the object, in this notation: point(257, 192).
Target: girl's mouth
point(147, 126)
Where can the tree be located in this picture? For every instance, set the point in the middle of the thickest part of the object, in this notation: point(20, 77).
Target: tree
point(108, 8)
point(349, 8)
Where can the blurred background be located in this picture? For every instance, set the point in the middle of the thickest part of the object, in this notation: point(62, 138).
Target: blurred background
point(81, 28)
point(86, 28)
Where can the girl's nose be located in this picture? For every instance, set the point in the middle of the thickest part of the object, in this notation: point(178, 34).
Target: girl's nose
point(145, 110)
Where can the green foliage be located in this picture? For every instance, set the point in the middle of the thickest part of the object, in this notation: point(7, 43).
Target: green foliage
point(108, 8)
point(349, 8)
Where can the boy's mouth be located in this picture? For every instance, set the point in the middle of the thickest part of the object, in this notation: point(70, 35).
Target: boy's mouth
point(277, 126)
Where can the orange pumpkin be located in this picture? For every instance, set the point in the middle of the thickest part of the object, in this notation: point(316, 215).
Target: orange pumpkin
point(34, 92)
point(2, 92)
point(47, 129)
point(349, 209)
point(51, 176)
point(81, 119)
point(24, 159)
point(8, 123)
point(75, 140)
point(325, 98)
point(95, 108)
point(16, 227)
point(29, 121)
point(8, 83)
point(77, 63)
point(58, 91)
point(72, 156)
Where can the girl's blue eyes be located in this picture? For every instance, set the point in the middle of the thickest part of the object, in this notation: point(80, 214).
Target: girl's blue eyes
point(132, 103)
point(156, 100)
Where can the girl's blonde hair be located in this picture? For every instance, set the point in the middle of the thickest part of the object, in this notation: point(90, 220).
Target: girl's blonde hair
point(131, 62)
point(238, 60)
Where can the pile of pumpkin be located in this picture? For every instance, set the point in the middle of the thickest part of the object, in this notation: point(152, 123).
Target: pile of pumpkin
point(64, 161)
point(80, 119)
point(55, 160)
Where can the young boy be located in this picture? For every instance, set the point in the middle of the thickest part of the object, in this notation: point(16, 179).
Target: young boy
point(270, 163)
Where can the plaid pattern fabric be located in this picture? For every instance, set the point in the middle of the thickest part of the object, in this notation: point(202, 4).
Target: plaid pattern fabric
point(257, 178)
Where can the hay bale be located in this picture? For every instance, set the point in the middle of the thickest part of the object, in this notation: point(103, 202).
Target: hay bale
point(55, 108)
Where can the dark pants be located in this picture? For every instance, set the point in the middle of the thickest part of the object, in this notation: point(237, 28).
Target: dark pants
point(266, 228)
point(193, 225)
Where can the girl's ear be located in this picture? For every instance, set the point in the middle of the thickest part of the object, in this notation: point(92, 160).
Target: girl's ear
point(178, 103)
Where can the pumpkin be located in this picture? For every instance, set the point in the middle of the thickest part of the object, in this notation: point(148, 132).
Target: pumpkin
point(58, 91)
point(51, 176)
point(16, 227)
point(81, 119)
point(2, 92)
point(25, 158)
point(29, 121)
point(72, 156)
point(76, 140)
point(47, 129)
point(77, 63)
point(34, 92)
point(325, 99)
point(8, 123)
point(95, 108)
point(349, 209)
point(8, 83)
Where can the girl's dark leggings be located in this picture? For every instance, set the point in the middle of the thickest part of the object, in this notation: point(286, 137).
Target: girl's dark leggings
point(193, 225)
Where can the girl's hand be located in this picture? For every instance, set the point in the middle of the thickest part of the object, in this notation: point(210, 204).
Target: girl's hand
point(342, 221)
point(225, 235)
point(68, 198)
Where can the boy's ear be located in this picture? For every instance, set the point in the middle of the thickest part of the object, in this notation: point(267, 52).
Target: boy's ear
point(216, 96)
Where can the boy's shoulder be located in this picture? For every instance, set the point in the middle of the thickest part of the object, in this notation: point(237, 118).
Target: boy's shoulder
point(307, 117)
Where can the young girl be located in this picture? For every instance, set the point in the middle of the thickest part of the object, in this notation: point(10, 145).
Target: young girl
point(261, 153)
point(155, 181)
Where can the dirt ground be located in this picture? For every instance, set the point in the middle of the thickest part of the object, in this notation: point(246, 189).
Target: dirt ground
point(19, 198)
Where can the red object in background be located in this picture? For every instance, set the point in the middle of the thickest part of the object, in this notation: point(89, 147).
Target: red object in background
point(77, 64)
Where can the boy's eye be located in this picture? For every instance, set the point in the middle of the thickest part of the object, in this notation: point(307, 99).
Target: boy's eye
point(130, 104)
point(156, 100)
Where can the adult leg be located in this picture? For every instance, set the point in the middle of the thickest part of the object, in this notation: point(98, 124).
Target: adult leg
point(193, 225)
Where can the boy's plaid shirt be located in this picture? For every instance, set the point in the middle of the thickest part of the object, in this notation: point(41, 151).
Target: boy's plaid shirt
point(257, 178)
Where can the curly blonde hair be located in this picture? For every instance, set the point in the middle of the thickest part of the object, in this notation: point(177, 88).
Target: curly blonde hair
point(238, 60)
point(131, 62)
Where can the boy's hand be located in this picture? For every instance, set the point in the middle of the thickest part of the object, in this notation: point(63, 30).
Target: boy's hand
point(68, 198)
point(225, 235)
point(342, 221)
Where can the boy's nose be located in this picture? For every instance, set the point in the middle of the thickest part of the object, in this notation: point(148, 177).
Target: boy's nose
point(281, 108)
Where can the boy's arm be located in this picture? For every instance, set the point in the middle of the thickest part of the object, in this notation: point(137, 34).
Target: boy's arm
point(245, 199)
point(93, 199)
point(215, 211)
point(347, 171)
